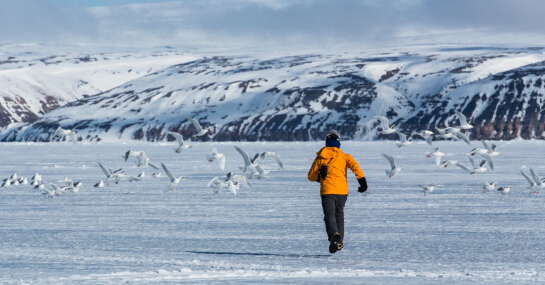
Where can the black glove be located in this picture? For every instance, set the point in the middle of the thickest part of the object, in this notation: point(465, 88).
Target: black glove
point(363, 185)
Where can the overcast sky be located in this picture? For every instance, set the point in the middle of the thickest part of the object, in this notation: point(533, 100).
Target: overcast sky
point(274, 22)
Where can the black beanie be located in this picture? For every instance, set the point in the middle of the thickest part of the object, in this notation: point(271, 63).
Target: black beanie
point(333, 140)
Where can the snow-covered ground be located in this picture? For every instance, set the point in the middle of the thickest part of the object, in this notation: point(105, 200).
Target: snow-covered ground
point(273, 233)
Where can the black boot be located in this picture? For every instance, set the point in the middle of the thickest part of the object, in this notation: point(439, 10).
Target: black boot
point(335, 242)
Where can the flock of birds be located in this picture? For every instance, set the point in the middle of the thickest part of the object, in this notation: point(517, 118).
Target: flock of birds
point(36, 182)
point(251, 169)
point(231, 181)
point(456, 133)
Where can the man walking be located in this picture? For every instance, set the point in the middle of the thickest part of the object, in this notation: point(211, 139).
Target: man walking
point(329, 168)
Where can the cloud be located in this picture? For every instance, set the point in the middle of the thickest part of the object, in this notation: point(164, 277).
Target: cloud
point(318, 21)
point(44, 21)
point(240, 22)
point(274, 22)
point(497, 15)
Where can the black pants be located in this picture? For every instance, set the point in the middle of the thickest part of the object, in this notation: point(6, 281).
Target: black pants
point(333, 206)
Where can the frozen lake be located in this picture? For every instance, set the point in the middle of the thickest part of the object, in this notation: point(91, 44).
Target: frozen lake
point(273, 233)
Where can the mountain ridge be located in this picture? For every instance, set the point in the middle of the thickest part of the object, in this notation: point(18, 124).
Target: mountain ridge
point(302, 97)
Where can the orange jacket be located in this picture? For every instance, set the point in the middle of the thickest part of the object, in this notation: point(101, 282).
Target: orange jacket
point(337, 162)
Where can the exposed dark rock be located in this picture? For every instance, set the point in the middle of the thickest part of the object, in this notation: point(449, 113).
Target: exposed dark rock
point(302, 106)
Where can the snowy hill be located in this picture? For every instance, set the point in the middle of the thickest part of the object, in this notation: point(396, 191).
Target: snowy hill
point(502, 93)
point(275, 97)
point(36, 79)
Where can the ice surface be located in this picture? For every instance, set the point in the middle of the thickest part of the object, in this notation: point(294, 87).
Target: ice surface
point(138, 233)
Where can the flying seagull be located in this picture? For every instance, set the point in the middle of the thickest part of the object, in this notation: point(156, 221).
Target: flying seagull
point(249, 164)
point(386, 129)
point(215, 155)
point(463, 121)
point(274, 156)
point(197, 125)
point(394, 169)
point(60, 132)
point(173, 180)
point(181, 144)
point(429, 188)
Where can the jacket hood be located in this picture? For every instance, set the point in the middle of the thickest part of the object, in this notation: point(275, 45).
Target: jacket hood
point(329, 152)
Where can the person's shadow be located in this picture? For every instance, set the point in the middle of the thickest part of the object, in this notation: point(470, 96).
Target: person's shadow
point(292, 255)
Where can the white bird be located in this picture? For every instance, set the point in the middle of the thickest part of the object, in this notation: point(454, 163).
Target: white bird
point(12, 178)
point(462, 136)
point(463, 166)
point(181, 143)
point(216, 184)
point(261, 173)
point(143, 160)
point(449, 162)
point(426, 135)
point(107, 172)
point(132, 153)
point(477, 167)
point(477, 151)
point(237, 179)
point(386, 128)
point(39, 187)
point(437, 155)
point(141, 175)
point(74, 188)
point(452, 130)
point(215, 155)
point(249, 165)
point(232, 187)
point(23, 181)
point(173, 180)
point(457, 133)
point(403, 140)
point(130, 178)
point(533, 184)
point(442, 133)
point(275, 156)
point(48, 193)
point(36, 177)
point(489, 186)
point(7, 183)
point(429, 188)
point(100, 184)
point(491, 149)
point(60, 132)
point(394, 169)
point(539, 182)
point(51, 193)
point(463, 121)
point(156, 175)
point(111, 175)
point(198, 128)
point(58, 190)
point(488, 159)
point(504, 190)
